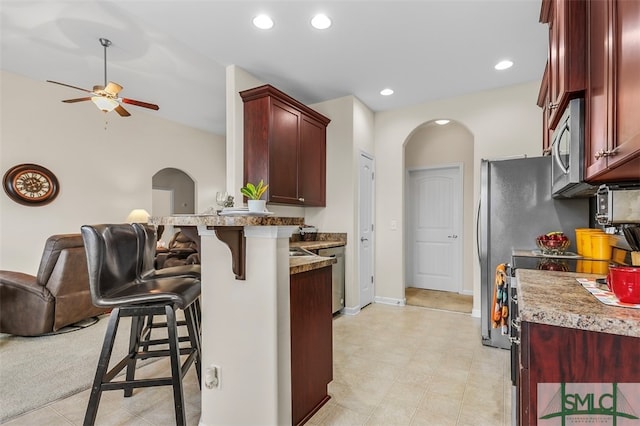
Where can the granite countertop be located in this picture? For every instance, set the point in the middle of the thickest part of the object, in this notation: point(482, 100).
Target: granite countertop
point(298, 264)
point(215, 220)
point(322, 240)
point(556, 298)
point(316, 245)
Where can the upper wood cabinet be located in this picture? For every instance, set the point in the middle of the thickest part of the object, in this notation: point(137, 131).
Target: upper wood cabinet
point(543, 102)
point(612, 137)
point(566, 74)
point(284, 144)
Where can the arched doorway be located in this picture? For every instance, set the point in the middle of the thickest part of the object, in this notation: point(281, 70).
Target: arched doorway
point(173, 192)
point(439, 168)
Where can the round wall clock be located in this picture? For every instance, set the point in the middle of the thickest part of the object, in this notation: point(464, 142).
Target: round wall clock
point(30, 184)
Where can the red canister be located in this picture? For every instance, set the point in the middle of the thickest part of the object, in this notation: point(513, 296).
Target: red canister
point(624, 282)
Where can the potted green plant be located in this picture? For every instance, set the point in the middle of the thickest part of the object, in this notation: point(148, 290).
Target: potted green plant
point(253, 194)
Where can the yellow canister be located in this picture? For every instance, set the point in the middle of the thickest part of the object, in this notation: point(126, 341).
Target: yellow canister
point(600, 246)
point(583, 240)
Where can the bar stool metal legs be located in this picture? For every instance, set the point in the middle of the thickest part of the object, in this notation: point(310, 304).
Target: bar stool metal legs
point(104, 378)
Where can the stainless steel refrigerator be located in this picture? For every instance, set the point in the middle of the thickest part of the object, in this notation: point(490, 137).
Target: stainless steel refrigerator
point(515, 207)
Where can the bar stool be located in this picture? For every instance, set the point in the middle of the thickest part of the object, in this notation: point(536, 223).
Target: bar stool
point(113, 258)
point(147, 240)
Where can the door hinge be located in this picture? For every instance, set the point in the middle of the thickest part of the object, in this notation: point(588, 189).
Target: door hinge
point(373, 175)
point(372, 226)
point(371, 279)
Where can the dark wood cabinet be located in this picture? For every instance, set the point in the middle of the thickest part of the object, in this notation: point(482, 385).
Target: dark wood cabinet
point(543, 102)
point(612, 137)
point(554, 355)
point(566, 67)
point(284, 144)
point(311, 342)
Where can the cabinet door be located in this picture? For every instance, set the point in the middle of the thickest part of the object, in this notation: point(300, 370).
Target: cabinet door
point(543, 102)
point(612, 144)
point(567, 59)
point(626, 83)
point(312, 165)
point(568, 355)
point(597, 132)
point(311, 341)
point(283, 154)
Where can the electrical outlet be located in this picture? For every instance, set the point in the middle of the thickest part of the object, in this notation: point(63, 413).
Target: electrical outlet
point(212, 377)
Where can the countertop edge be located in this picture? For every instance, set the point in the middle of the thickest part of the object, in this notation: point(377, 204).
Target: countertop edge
point(215, 220)
point(298, 265)
point(557, 299)
point(317, 245)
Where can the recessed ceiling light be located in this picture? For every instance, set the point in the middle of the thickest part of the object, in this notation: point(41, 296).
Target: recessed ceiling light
point(386, 92)
point(263, 22)
point(321, 21)
point(503, 65)
point(442, 122)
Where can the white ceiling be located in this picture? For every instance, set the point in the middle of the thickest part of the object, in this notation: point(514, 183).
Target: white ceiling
point(174, 53)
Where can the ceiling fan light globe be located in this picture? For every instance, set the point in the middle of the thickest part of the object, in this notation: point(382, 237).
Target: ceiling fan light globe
point(104, 104)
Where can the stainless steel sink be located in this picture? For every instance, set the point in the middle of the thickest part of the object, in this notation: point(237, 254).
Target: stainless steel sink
point(299, 251)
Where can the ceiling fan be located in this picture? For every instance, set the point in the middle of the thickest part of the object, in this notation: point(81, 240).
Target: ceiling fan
point(106, 97)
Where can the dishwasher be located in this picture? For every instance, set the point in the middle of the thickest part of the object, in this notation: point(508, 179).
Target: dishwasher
point(337, 276)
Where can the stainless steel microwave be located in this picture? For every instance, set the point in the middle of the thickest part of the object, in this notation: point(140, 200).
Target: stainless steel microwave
point(567, 152)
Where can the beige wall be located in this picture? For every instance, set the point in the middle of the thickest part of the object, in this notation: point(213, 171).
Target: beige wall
point(349, 133)
point(503, 122)
point(103, 173)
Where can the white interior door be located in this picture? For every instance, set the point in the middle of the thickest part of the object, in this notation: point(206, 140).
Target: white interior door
point(365, 237)
point(434, 202)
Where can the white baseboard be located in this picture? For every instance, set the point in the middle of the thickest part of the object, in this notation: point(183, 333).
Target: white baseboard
point(390, 301)
point(350, 311)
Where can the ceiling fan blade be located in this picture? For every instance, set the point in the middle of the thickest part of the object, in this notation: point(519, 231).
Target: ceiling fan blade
point(140, 104)
point(113, 88)
point(70, 101)
point(123, 112)
point(68, 85)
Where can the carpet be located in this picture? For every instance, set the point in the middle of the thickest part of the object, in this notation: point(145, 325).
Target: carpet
point(434, 299)
point(35, 371)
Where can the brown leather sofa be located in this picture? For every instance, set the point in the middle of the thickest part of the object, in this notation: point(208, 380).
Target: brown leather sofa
point(183, 249)
point(56, 297)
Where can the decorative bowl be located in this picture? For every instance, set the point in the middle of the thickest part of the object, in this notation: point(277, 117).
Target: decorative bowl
point(624, 282)
point(552, 246)
point(553, 265)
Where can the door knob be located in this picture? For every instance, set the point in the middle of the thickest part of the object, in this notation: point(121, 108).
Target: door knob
point(363, 239)
point(452, 236)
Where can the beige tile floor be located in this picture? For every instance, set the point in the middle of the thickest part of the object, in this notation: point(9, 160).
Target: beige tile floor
point(392, 366)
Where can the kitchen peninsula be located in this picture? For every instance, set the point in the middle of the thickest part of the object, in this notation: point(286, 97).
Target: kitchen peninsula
point(569, 341)
point(249, 323)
